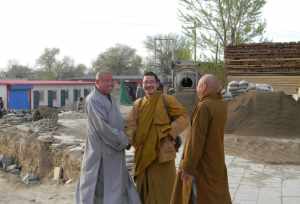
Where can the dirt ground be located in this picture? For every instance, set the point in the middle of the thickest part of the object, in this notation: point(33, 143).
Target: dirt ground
point(12, 191)
point(264, 149)
point(264, 127)
point(251, 117)
point(258, 149)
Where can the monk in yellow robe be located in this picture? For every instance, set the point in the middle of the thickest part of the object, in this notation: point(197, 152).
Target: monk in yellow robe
point(152, 126)
point(203, 159)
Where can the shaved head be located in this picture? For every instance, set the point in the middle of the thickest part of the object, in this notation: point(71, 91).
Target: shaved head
point(208, 84)
point(100, 74)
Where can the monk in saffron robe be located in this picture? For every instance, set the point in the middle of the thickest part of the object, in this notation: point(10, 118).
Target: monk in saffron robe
point(152, 126)
point(203, 161)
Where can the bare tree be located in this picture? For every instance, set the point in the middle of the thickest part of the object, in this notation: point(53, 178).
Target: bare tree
point(222, 22)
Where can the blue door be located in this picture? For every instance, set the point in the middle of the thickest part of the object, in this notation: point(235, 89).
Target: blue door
point(19, 100)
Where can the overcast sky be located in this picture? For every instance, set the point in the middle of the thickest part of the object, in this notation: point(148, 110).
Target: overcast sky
point(84, 28)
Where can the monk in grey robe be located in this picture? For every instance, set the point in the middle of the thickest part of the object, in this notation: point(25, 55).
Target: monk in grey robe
point(104, 177)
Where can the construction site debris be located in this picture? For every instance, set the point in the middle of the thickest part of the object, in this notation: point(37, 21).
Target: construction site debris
point(5, 161)
point(16, 118)
point(58, 174)
point(72, 115)
point(30, 179)
point(45, 112)
point(44, 125)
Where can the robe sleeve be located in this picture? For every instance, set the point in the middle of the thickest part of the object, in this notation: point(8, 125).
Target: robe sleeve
point(197, 141)
point(179, 115)
point(131, 122)
point(112, 137)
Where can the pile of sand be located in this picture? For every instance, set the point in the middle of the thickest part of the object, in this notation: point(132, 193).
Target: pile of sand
point(264, 114)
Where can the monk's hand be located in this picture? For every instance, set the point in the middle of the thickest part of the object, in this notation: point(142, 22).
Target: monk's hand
point(185, 177)
point(179, 171)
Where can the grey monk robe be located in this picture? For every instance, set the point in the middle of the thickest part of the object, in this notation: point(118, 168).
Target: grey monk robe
point(104, 177)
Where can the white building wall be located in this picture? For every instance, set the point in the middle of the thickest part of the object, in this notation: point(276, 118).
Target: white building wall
point(3, 94)
point(58, 88)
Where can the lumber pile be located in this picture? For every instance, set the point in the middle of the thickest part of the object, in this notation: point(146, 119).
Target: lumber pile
point(263, 59)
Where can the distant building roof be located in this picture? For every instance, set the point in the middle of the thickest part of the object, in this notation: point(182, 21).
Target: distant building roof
point(43, 82)
point(115, 77)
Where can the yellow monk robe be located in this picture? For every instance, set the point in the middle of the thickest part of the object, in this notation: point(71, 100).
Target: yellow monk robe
point(148, 123)
point(204, 156)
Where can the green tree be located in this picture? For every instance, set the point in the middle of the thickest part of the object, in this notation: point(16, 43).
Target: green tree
point(68, 70)
point(2, 75)
point(52, 68)
point(161, 51)
point(222, 22)
point(49, 64)
point(120, 59)
point(17, 71)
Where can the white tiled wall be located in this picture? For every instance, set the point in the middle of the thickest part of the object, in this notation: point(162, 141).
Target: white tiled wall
point(58, 88)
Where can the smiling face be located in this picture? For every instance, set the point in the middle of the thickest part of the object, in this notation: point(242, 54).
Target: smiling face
point(150, 85)
point(104, 83)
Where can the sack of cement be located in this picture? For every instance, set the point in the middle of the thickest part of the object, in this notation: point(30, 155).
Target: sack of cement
point(235, 93)
point(231, 89)
point(227, 96)
point(244, 84)
point(233, 84)
point(264, 88)
point(252, 86)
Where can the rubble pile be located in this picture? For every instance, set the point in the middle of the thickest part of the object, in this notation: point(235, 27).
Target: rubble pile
point(33, 150)
point(44, 125)
point(39, 146)
point(16, 118)
point(45, 112)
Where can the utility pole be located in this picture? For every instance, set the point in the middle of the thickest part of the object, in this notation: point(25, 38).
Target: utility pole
point(169, 41)
point(170, 47)
point(195, 41)
point(194, 32)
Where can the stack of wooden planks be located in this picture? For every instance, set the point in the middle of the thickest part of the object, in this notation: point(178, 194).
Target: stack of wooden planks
point(263, 58)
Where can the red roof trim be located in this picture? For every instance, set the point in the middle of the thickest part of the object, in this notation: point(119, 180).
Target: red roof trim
point(43, 82)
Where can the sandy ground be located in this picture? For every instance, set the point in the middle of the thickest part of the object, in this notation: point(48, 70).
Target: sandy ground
point(12, 191)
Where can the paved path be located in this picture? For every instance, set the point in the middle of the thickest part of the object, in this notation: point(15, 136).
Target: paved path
point(252, 183)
